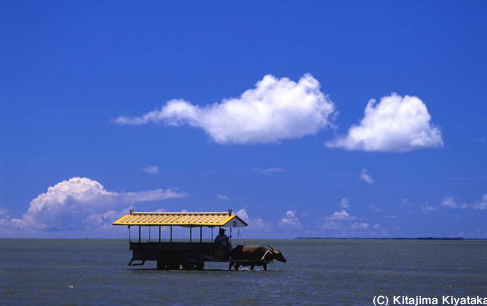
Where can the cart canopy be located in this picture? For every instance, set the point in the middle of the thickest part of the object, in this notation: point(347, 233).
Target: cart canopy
point(186, 219)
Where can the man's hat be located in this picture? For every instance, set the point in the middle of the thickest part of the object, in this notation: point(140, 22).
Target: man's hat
point(221, 229)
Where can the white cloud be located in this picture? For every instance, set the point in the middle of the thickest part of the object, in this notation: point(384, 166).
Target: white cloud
point(333, 222)
point(376, 208)
point(346, 225)
point(426, 208)
point(359, 226)
point(450, 202)
point(331, 225)
point(395, 124)
point(269, 171)
point(344, 230)
point(223, 197)
point(253, 223)
point(344, 203)
point(341, 216)
point(3, 212)
point(290, 219)
point(366, 177)
point(276, 109)
point(482, 204)
point(4, 216)
point(243, 214)
point(6, 229)
point(151, 169)
point(80, 203)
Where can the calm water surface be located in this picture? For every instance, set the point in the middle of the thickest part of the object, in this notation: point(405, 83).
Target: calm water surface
point(320, 272)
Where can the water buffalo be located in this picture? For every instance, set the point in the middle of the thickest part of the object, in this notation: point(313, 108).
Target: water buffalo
point(256, 255)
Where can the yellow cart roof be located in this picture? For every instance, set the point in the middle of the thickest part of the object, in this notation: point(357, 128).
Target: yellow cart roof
point(209, 219)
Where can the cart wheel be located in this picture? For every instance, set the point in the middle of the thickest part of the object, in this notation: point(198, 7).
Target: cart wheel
point(200, 265)
point(173, 265)
point(161, 264)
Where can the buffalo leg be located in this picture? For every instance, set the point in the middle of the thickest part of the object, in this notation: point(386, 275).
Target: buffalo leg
point(237, 265)
point(265, 267)
point(230, 265)
point(252, 267)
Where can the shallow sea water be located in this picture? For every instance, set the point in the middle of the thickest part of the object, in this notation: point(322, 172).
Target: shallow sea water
point(318, 272)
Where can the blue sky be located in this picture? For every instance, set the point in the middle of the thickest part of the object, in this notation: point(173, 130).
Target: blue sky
point(78, 77)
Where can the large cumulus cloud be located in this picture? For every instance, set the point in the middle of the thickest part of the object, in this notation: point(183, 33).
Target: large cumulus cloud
point(276, 109)
point(80, 203)
point(395, 124)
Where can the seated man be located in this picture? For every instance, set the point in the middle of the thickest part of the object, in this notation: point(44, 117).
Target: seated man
point(222, 241)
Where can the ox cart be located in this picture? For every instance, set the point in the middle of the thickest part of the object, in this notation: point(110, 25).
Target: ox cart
point(171, 254)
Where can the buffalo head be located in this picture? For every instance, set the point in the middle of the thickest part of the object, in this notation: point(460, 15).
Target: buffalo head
point(277, 255)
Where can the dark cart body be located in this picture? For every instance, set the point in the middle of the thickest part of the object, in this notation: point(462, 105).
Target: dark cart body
point(169, 255)
point(172, 255)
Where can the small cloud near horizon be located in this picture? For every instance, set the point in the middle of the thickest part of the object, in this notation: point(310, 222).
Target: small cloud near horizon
point(426, 208)
point(290, 219)
point(151, 169)
point(341, 216)
point(376, 208)
point(269, 171)
point(223, 197)
point(364, 176)
point(451, 202)
point(359, 226)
